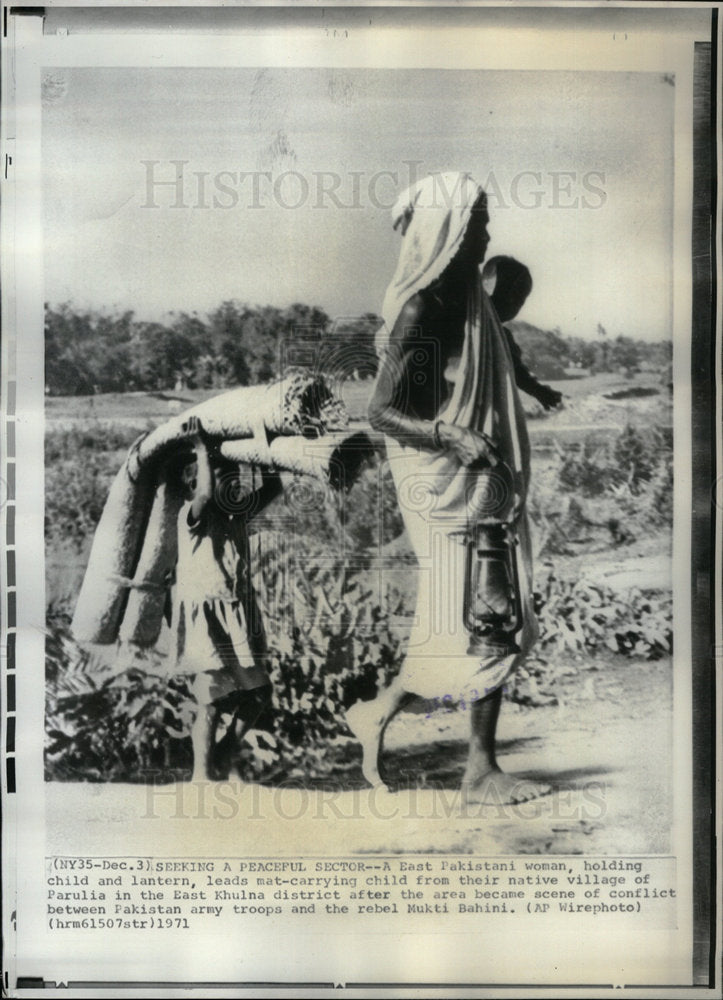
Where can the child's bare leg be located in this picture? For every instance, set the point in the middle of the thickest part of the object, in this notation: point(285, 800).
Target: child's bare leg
point(212, 757)
point(202, 738)
point(483, 780)
point(251, 705)
point(368, 721)
point(222, 755)
point(203, 730)
point(246, 708)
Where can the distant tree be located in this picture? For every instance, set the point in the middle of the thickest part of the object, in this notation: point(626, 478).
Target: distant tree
point(656, 354)
point(165, 355)
point(301, 334)
point(226, 327)
point(581, 352)
point(602, 354)
point(87, 351)
point(67, 368)
point(625, 353)
point(112, 354)
point(248, 340)
point(308, 321)
point(350, 349)
point(210, 372)
point(262, 333)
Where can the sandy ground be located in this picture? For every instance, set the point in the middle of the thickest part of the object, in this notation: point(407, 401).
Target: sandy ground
point(605, 748)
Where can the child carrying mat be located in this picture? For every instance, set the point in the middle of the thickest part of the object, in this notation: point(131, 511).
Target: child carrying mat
point(132, 544)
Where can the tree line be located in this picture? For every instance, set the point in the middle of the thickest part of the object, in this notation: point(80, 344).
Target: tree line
point(552, 356)
point(88, 351)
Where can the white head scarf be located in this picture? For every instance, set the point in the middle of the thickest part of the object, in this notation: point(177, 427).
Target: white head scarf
point(433, 216)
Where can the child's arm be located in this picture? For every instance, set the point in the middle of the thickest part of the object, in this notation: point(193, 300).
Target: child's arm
point(204, 481)
point(203, 486)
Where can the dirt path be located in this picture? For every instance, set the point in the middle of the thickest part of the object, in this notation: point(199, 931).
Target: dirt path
point(605, 748)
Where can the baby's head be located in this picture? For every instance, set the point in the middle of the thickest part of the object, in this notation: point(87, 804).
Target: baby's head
point(512, 284)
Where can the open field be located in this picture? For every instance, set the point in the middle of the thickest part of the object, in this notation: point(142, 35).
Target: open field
point(157, 406)
point(587, 411)
point(88, 437)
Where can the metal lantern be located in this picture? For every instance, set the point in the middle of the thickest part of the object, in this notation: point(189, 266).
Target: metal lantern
point(492, 606)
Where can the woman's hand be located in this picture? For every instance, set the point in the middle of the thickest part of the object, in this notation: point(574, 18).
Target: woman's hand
point(469, 446)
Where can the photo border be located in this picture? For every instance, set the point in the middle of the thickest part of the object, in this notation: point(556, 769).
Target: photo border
point(706, 517)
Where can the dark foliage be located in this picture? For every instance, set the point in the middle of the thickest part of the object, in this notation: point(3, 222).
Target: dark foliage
point(90, 352)
point(632, 460)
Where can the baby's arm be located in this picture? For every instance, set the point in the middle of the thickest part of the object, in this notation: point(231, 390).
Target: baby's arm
point(525, 380)
point(546, 395)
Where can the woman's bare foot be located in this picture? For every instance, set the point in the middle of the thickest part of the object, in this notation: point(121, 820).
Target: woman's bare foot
point(495, 788)
point(367, 723)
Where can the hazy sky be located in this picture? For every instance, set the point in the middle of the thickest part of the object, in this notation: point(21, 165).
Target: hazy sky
point(578, 167)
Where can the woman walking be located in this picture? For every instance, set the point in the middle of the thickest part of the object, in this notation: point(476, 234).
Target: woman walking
point(446, 401)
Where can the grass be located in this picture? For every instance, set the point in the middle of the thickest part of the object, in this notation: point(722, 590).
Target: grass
point(138, 407)
point(87, 438)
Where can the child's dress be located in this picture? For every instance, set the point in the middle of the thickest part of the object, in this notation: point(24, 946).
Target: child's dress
point(216, 625)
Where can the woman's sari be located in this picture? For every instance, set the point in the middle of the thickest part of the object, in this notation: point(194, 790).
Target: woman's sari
point(441, 499)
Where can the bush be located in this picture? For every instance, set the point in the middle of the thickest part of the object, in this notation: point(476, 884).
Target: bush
point(64, 443)
point(103, 725)
point(583, 617)
point(76, 495)
point(360, 522)
point(332, 643)
point(636, 455)
point(332, 639)
point(80, 465)
point(117, 728)
point(632, 459)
